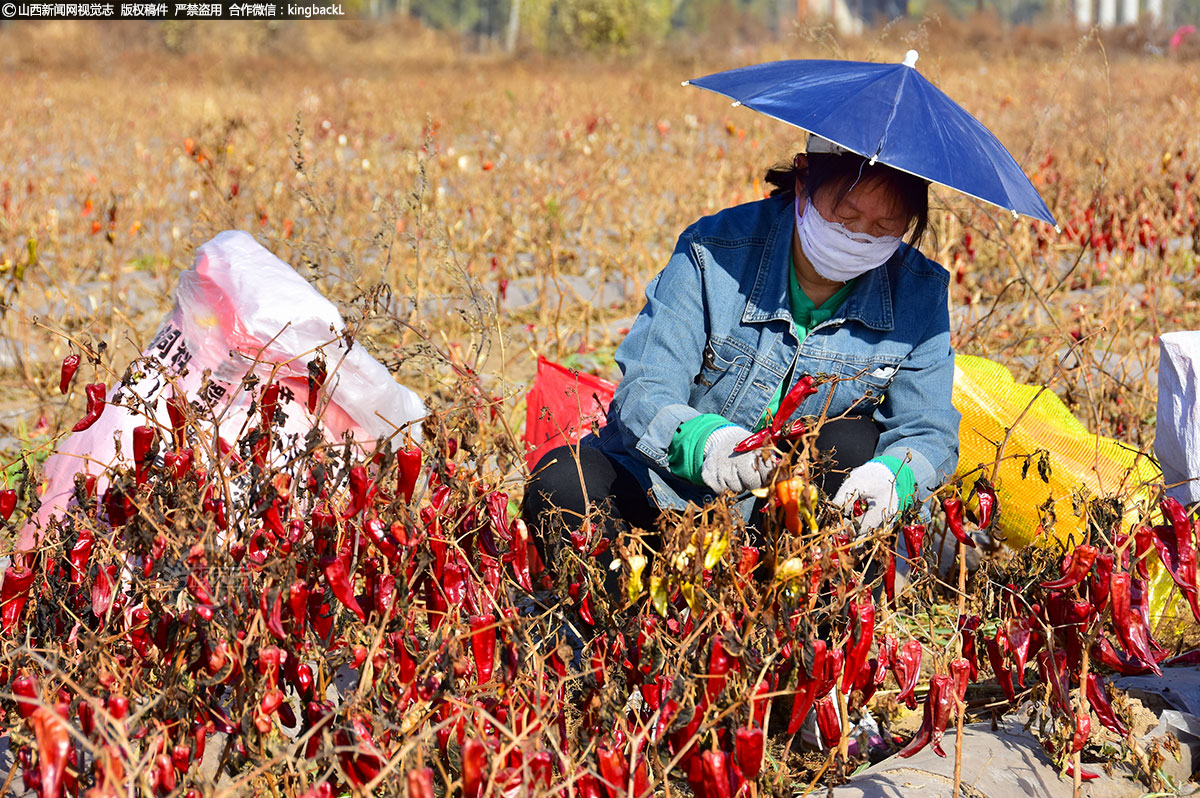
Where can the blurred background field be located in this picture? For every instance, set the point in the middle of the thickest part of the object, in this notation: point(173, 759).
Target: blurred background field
point(469, 205)
point(472, 198)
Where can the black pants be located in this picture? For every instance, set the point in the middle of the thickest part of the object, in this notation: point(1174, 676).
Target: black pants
point(556, 502)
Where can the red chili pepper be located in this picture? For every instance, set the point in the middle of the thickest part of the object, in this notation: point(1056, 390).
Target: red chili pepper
point(1079, 564)
point(1084, 775)
point(719, 665)
point(177, 413)
point(1129, 629)
point(268, 403)
point(455, 577)
point(497, 512)
point(337, 574)
point(985, 496)
point(967, 626)
point(1054, 674)
point(25, 687)
point(914, 539)
point(117, 706)
point(323, 521)
point(519, 555)
point(716, 773)
point(807, 683)
point(1177, 552)
point(316, 381)
point(95, 406)
point(960, 672)
point(754, 441)
point(102, 589)
point(118, 506)
point(585, 609)
point(408, 462)
point(270, 659)
point(995, 646)
point(272, 612)
point(1103, 652)
point(181, 757)
point(586, 786)
point(8, 503)
point(361, 492)
point(200, 591)
point(483, 644)
point(954, 519)
point(1186, 658)
point(858, 647)
point(935, 718)
point(18, 582)
point(907, 667)
point(271, 701)
point(298, 603)
point(803, 389)
point(1083, 730)
point(87, 717)
point(1018, 634)
point(304, 679)
point(54, 743)
point(1098, 698)
point(1079, 616)
point(143, 439)
point(941, 688)
point(748, 747)
point(614, 770)
point(747, 561)
point(420, 783)
point(1143, 543)
point(1098, 585)
point(374, 529)
point(829, 724)
point(317, 715)
point(760, 702)
point(70, 365)
point(474, 759)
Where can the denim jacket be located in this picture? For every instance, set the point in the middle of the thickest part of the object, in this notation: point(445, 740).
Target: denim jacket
point(716, 336)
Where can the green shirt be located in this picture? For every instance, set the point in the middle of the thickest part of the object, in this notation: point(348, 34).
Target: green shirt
point(686, 453)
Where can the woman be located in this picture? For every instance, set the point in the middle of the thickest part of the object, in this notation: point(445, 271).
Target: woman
point(814, 280)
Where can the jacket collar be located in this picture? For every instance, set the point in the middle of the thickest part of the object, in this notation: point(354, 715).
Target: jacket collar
point(869, 303)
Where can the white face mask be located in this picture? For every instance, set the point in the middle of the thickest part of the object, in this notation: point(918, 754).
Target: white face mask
point(837, 253)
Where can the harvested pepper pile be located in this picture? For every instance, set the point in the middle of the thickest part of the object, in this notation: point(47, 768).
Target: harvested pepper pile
point(383, 624)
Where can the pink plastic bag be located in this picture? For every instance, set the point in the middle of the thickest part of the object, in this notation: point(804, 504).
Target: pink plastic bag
point(238, 310)
point(561, 407)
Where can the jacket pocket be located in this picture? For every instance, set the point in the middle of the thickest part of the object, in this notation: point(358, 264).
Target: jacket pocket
point(723, 360)
point(864, 384)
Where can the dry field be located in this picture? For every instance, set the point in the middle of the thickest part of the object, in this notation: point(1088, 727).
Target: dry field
point(468, 213)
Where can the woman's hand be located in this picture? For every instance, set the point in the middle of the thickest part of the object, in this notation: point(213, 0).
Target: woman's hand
point(725, 470)
point(875, 484)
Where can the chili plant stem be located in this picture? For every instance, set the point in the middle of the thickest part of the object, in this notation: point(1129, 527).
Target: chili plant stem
point(962, 611)
point(1081, 708)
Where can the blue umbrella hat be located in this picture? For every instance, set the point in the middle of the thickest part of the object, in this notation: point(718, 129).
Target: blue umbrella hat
point(890, 114)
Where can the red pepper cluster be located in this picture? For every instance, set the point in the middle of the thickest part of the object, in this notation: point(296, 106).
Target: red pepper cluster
point(388, 613)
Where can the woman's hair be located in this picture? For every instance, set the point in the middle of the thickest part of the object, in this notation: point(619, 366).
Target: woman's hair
point(841, 172)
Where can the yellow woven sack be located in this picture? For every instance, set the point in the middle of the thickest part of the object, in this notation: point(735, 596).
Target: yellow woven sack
point(1035, 420)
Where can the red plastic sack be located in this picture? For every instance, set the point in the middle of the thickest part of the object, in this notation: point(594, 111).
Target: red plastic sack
point(561, 407)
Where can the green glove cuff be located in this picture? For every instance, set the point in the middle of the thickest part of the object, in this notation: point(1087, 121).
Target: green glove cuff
point(906, 481)
point(685, 455)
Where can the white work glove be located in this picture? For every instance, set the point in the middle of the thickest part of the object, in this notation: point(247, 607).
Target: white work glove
point(725, 470)
point(875, 484)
